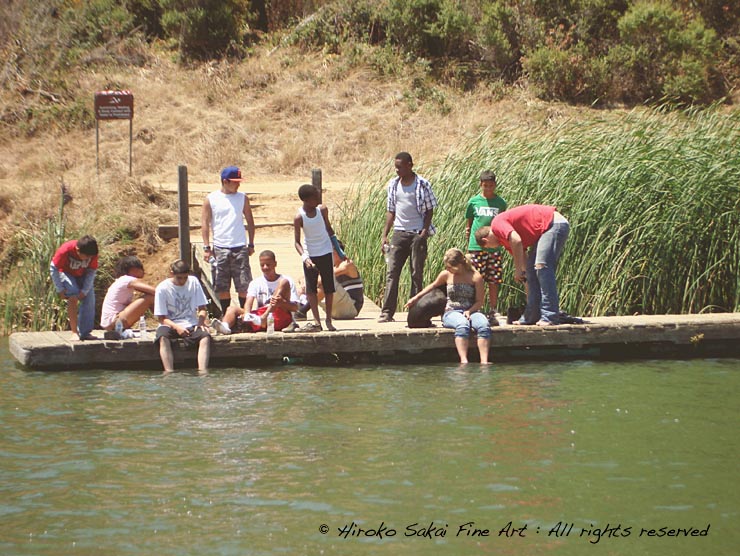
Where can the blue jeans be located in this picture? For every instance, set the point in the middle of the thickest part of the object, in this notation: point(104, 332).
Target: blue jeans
point(478, 322)
point(542, 262)
point(71, 286)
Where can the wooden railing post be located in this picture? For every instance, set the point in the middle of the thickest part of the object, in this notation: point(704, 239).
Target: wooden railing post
point(316, 182)
point(183, 214)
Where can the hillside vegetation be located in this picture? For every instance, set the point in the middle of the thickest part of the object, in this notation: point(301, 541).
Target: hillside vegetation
point(280, 88)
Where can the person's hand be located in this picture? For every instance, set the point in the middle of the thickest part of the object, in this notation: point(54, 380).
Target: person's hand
point(309, 263)
point(411, 302)
point(424, 233)
point(182, 332)
point(81, 296)
point(466, 314)
point(520, 275)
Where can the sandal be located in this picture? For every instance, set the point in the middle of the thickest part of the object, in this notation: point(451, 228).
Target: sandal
point(310, 327)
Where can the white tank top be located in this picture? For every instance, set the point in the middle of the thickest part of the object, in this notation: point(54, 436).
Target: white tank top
point(227, 213)
point(317, 240)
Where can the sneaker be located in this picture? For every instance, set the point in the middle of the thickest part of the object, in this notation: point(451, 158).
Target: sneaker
point(310, 327)
point(292, 327)
point(127, 334)
point(220, 327)
point(385, 317)
point(493, 318)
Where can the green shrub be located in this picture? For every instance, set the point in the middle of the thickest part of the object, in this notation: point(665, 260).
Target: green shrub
point(664, 56)
point(206, 28)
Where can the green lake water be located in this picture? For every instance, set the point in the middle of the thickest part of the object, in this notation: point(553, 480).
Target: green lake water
point(521, 459)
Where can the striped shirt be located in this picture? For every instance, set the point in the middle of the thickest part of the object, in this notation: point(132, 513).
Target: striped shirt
point(425, 199)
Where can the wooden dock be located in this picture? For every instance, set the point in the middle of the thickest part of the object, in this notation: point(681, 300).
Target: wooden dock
point(365, 341)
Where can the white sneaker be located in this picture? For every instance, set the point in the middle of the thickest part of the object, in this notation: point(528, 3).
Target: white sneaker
point(220, 327)
point(127, 334)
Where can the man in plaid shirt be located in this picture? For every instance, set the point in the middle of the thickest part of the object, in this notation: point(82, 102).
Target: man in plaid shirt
point(410, 207)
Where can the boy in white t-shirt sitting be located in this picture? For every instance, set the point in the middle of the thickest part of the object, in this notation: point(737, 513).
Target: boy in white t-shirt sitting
point(180, 305)
point(274, 293)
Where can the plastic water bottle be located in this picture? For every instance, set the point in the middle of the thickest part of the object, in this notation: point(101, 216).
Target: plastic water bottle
point(142, 329)
point(270, 324)
point(386, 253)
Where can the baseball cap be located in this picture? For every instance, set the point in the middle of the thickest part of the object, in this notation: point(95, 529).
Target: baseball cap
point(231, 173)
point(487, 175)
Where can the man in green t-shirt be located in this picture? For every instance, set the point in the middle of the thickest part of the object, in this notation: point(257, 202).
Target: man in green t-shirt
point(480, 211)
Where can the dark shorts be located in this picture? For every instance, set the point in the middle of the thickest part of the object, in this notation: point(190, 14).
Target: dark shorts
point(324, 266)
point(196, 335)
point(488, 264)
point(231, 264)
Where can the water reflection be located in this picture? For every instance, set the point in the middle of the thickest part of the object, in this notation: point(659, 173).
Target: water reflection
point(254, 461)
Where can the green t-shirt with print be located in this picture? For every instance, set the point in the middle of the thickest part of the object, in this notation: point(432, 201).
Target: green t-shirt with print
point(482, 211)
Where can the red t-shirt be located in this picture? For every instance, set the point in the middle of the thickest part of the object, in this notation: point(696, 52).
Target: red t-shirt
point(66, 260)
point(529, 221)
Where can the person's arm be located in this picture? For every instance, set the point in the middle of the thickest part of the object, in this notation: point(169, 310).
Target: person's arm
point(250, 223)
point(248, 304)
point(439, 281)
point(56, 278)
point(468, 228)
point(517, 251)
point(167, 321)
point(479, 295)
point(202, 316)
point(297, 225)
point(88, 282)
point(389, 218)
point(141, 286)
point(205, 229)
point(427, 223)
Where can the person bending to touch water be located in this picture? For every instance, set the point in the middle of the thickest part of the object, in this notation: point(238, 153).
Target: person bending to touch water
point(73, 268)
point(544, 231)
point(465, 295)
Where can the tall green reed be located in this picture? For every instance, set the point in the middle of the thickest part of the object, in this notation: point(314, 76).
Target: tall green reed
point(653, 200)
point(30, 301)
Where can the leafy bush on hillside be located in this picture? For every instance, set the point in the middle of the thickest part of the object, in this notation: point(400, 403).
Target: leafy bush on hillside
point(634, 51)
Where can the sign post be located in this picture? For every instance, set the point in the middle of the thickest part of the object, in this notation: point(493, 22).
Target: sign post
point(114, 105)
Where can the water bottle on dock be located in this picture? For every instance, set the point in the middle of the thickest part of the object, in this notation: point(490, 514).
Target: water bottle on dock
point(143, 334)
point(270, 324)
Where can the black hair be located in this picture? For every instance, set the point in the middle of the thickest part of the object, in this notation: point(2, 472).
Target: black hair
point(307, 191)
point(180, 267)
point(268, 253)
point(88, 245)
point(127, 263)
point(406, 157)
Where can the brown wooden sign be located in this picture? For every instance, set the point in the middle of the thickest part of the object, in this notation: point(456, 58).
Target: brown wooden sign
point(114, 105)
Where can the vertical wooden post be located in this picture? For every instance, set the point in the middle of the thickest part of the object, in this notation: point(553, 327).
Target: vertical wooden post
point(316, 182)
point(183, 212)
point(130, 145)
